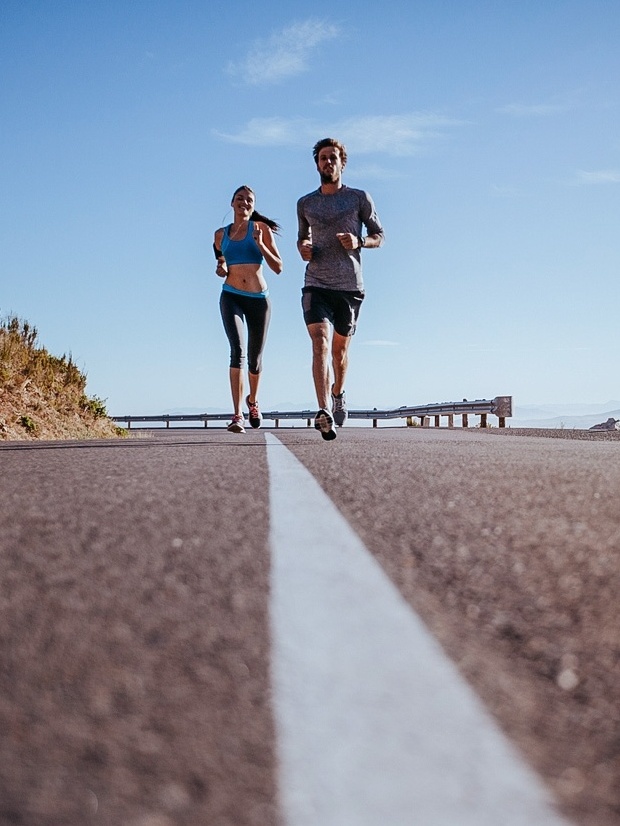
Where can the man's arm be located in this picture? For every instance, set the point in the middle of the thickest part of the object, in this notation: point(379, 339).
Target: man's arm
point(304, 234)
point(373, 241)
point(370, 220)
point(356, 242)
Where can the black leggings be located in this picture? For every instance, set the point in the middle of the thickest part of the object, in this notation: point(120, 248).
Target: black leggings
point(256, 312)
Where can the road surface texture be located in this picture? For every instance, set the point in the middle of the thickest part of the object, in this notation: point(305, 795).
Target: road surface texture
point(136, 645)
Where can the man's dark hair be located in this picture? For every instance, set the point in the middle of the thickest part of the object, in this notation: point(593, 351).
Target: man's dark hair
point(330, 142)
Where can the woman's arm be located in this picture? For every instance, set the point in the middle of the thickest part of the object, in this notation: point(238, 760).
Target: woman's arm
point(221, 269)
point(265, 241)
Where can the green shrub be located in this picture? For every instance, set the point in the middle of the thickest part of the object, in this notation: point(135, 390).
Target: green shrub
point(27, 423)
point(96, 406)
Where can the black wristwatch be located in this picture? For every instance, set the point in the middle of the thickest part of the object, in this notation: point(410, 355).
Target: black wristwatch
point(360, 241)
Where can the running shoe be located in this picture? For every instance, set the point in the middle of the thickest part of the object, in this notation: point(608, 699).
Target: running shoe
point(237, 424)
point(323, 421)
point(254, 417)
point(339, 406)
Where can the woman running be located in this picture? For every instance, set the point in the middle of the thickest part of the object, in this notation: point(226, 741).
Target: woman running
point(240, 249)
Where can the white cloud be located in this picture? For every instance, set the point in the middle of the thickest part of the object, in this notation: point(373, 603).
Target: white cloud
point(284, 54)
point(521, 110)
point(390, 135)
point(331, 99)
point(603, 176)
point(505, 191)
point(273, 131)
point(366, 171)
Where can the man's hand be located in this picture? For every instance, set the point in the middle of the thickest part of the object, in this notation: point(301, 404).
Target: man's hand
point(305, 250)
point(348, 241)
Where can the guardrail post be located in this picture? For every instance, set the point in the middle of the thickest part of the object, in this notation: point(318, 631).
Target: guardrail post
point(277, 422)
point(502, 407)
point(426, 420)
point(374, 422)
point(465, 420)
point(308, 422)
point(450, 420)
point(437, 421)
point(483, 420)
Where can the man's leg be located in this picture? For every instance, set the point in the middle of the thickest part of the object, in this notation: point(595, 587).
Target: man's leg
point(340, 361)
point(323, 422)
point(319, 333)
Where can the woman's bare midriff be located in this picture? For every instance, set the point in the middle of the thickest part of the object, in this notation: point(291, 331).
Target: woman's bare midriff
point(247, 277)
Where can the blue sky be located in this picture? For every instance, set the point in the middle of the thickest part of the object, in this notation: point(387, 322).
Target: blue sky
point(486, 132)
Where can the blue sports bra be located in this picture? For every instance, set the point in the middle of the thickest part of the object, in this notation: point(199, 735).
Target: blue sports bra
point(244, 251)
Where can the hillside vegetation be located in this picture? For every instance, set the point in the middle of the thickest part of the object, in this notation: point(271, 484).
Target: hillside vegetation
point(43, 396)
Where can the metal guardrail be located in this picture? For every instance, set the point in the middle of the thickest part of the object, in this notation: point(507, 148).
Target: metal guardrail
point(500, 406)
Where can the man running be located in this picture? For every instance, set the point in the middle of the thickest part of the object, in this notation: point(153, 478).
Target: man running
point(330, 239)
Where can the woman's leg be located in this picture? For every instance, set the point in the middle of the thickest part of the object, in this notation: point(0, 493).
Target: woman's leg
point(258, 316)
point(232, 317)
point(236, 390)
point(253, 381)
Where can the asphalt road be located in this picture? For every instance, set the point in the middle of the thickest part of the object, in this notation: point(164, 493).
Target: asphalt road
point(135, 650)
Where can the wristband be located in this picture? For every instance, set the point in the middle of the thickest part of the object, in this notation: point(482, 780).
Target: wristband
point(360, 242)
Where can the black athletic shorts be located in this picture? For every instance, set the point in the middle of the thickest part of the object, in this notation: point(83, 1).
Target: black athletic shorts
point(338, 307)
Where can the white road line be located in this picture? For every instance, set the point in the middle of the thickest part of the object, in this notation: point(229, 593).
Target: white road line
point(375, 726)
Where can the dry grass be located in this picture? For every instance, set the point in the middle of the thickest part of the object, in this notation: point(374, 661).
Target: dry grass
point(43, 396)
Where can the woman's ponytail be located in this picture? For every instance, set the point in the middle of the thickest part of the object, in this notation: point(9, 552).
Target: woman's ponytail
point(256, 216)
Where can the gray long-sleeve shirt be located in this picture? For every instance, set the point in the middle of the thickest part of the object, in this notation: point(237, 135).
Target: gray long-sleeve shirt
point(320, 217)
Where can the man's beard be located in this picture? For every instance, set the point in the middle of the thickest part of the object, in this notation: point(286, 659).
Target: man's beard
point(329, 177)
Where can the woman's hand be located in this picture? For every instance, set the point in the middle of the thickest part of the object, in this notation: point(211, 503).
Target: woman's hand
point(258, 235)
point(221, 269)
